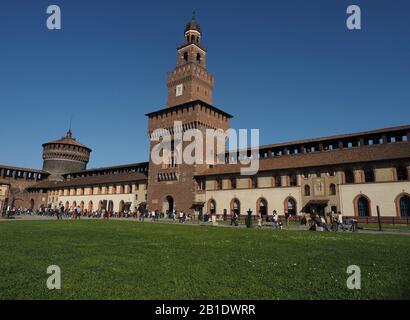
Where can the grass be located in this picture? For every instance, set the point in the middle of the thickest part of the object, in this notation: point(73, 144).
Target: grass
point(385, 226)
point(130, 260)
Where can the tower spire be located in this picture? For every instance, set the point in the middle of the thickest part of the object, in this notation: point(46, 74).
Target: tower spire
point(190, 80)
point(69, 132)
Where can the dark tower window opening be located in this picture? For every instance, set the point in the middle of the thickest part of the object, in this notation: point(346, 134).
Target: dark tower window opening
point(332, 189)
point(402, 173)
point(368, 175)
point(349, 176)
point(198, 58)
point(186, 56)
point(307, 190)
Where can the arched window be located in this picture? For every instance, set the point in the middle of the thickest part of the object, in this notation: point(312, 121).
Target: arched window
point(363, 207)
point(307, 190)
point(198, 58)
point(349, 176)
point(186, 56)
point(368, 175)
point(402, 174)
point(332, 189)
point(262, 207)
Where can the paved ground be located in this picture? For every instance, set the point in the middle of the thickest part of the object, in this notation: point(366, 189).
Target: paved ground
point(223, 224)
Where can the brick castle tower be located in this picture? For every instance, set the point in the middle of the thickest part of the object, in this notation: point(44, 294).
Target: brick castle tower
point(173, 186)
point(64, 156)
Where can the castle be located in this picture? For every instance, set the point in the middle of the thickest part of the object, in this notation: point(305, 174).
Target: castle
point(353, 173)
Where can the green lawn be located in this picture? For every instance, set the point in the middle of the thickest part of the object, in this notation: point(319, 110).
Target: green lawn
point(130, 260)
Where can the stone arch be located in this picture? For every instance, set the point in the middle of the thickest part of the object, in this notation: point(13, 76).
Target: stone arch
point(110, 206)
point(90, 206)
point(168, 204)
point(32, 203)
point(235, 206)
point(17, 203)
point(402, 203)
point(290, 205)
point(362, 206)
point(262, 206)
point(121, 206)
point(211, 206)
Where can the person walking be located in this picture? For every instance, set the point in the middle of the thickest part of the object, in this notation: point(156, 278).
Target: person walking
point(260, 221)
point(78, 212)
point(287, 216)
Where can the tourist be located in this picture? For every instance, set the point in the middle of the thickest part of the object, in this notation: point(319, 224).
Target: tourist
point(340, 221)
point(78, 212)
point(260, 221)
point(287, 216)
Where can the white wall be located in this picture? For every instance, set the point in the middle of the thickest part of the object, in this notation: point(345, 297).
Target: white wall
point(380, 194)
point(248, 197)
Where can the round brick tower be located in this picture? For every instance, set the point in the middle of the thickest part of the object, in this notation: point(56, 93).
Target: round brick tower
point(64, 156)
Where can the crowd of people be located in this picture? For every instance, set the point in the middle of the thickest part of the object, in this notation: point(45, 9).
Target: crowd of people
point(312, 221)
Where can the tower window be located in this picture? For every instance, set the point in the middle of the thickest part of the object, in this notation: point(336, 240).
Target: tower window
point(186, 56)
point(402, 173)
point(198, 58)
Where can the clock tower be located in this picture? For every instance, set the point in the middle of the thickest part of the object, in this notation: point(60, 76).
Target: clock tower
point(190, 80)
point(173, 184)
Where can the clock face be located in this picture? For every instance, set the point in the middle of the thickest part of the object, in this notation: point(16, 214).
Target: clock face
point(179, 90)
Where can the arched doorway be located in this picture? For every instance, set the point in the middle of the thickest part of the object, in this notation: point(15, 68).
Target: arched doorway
point(82, 206)
point(262, 207)
point(66, 206)
point(121, 206)
point(290, 205)
point(362, 206)
point(169, 204)
point(212, 207)
point(90, 206)
point(31, 204)
point(236, 206)
point(17, 203)
point(403, 205)
point(110, 206)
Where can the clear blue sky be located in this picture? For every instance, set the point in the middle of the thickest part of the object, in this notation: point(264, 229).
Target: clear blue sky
point(290, 68)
